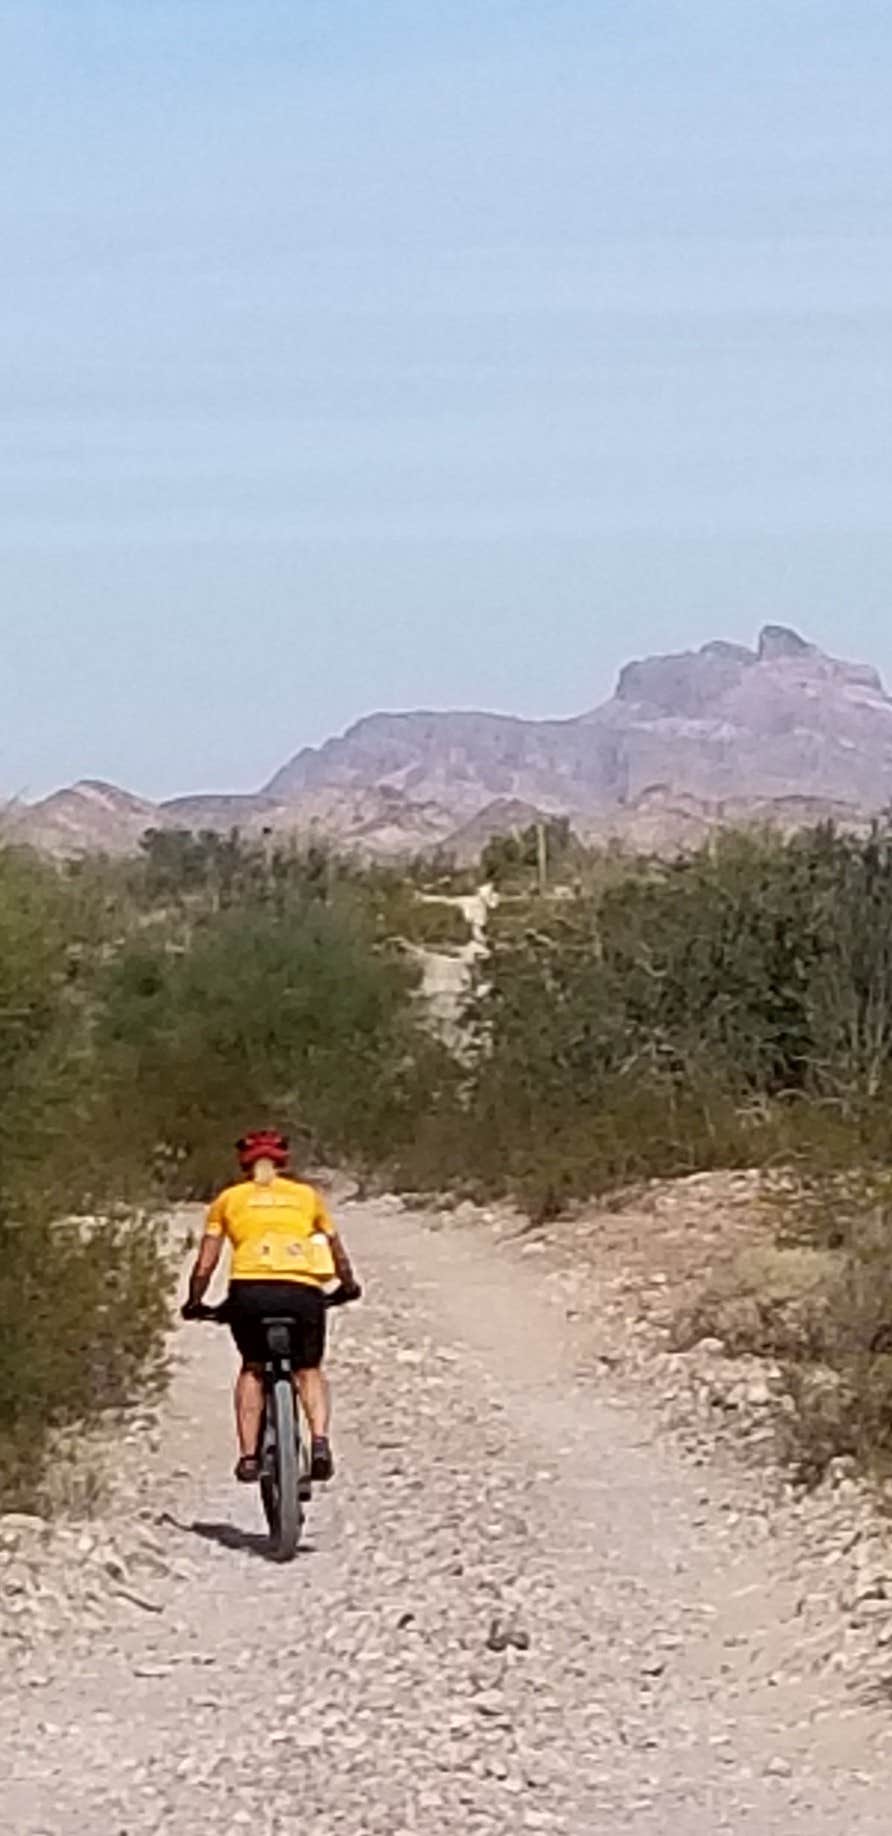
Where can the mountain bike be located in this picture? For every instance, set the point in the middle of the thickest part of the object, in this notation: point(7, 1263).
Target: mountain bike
point(285, 1483)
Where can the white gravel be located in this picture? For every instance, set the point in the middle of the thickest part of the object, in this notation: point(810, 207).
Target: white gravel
point(521, 1607)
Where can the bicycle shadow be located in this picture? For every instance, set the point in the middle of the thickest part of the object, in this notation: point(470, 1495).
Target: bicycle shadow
point(247, 1542)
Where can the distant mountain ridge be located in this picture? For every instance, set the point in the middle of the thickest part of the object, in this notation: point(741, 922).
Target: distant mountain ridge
point(783, 732)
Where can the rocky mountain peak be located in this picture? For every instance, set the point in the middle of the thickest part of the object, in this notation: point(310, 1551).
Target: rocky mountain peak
point(779, 645)
point(776, 641)
point(691, 739)
point(685, 684)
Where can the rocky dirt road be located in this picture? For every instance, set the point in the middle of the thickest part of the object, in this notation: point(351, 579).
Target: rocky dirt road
point(519, 1608)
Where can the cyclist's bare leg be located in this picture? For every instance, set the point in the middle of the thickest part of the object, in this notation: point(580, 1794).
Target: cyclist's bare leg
point(312, 1387)
point(316, 1398)
point(249, 1408)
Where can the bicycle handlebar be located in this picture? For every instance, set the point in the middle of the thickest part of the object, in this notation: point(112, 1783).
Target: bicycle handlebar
point(202, 1312)
point(343, 1297)
point(219, 1315)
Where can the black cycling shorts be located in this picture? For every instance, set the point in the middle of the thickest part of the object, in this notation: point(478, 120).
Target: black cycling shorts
point(251, 1302)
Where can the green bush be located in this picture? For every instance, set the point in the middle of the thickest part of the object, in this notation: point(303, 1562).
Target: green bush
point(434, 925)
point(513, 861)
point(299, 1016)
point(729, 1008)
point(81, 1319)
point(82, 1324)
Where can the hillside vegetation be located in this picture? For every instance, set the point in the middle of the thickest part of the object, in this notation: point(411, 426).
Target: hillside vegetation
point(728, 1008)
point(633, 1019)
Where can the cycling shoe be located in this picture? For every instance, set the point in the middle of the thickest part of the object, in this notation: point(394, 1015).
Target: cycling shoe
point(322, 1467)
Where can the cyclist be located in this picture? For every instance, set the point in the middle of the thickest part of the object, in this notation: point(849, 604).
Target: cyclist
point(285, 1249)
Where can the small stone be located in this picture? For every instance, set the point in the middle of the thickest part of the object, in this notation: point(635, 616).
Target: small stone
point(490, 1702)
point(505, 1635)
point(26, 1522)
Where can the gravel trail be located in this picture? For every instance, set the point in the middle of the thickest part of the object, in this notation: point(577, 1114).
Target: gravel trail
point(519, 1608)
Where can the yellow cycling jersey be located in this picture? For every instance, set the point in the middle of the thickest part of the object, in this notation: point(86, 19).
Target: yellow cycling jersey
point(279, 1232)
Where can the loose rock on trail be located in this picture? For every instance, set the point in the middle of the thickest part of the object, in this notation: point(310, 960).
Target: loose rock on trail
point(519, 1606)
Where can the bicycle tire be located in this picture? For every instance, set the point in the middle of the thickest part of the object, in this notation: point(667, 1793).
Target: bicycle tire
point(268, 1484)
point(286, 1517)
point(304, 1462)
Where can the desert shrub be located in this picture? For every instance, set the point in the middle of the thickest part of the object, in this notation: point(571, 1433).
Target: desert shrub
point(512, 861)
point(297, 1014)
point(434, 925)
point(771, 1302)
point(843, 1394)
point(82, 1324)
point(81, 1319)
point(817, 1300)
point(839, 1372)
point(733, 1007)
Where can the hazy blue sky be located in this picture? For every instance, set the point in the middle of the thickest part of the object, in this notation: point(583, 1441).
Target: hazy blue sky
point(364, 353)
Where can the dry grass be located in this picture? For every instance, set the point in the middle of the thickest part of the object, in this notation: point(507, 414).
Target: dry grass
point(770, 1301)
point(814, 1301)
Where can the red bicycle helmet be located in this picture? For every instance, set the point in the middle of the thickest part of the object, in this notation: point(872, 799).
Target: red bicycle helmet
point(262, 1144)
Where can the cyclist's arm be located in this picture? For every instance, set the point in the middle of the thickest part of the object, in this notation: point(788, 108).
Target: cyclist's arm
point(208, 1254)
point(205, 1263)
point(342, 1264)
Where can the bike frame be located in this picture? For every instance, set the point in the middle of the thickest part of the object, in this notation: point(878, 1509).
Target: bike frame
point(285, 1484)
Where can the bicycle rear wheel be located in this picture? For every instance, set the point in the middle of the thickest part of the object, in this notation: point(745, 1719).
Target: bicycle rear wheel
point(279, 1486)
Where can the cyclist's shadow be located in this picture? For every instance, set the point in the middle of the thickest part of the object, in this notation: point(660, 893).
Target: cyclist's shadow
point(248, 1542)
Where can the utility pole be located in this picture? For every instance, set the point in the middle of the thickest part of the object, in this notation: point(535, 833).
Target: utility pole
point(542, 858)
